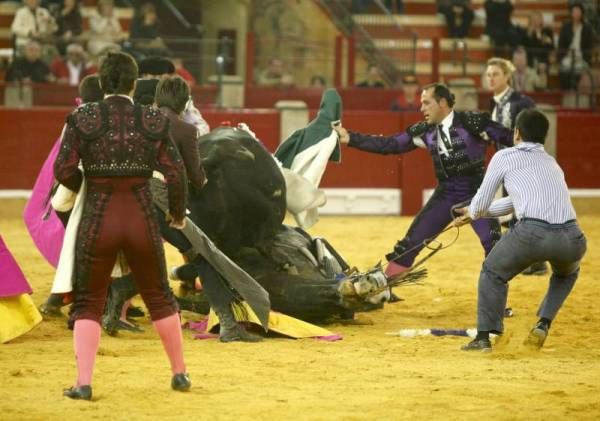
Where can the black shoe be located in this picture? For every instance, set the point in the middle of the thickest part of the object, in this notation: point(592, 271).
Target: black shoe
point(483, 345)
point(537, 335)
point(539, 268)
point(79, 392)
point(49, 311)
point(181, 382)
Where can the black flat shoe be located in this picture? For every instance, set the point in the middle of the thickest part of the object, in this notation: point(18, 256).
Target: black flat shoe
point(181, 382)
point(537, 336)
point(79, 392)
point(481, 345)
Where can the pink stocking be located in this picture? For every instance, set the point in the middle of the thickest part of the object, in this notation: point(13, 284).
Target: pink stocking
point(86, 339)
point(169, 330)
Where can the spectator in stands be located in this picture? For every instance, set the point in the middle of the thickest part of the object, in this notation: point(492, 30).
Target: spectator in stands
point(539, 40)
point(525, 79)
point(318, 82)
point(372, 79)
point(30, 67)
point(105, 29)
point(183, 72)
point(71, 69)
point(32, 22)
point(497, 22)
point(144, 32)
point(70, 24)
point(408, 100)
point(275, 75)
point(459, 16)
point(575, 45)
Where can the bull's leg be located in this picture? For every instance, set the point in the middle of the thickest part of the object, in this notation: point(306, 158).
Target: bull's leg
point(121, 290)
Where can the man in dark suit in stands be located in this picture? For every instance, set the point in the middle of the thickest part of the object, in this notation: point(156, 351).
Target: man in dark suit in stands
point(30, 67)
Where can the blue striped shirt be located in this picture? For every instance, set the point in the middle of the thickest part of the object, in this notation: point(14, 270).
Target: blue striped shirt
point(535, 184)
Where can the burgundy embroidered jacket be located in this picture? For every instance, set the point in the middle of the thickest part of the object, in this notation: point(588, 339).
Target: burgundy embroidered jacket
point(115, 138)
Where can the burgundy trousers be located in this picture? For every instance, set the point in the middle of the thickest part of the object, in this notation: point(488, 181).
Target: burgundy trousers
point(119, 216)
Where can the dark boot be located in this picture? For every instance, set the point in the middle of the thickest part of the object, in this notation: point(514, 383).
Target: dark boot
point(231, 331)
point(221, 298)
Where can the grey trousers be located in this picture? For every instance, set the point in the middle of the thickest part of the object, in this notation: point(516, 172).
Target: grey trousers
point(527, 242)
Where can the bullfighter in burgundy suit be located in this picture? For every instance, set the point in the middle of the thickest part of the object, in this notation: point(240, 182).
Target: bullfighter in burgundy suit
point(119, 145)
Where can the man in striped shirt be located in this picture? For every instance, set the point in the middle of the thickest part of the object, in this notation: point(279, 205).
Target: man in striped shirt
point(546, 229)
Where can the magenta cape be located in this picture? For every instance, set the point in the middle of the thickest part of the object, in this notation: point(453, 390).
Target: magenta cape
point(47, 234)
point(12, 280)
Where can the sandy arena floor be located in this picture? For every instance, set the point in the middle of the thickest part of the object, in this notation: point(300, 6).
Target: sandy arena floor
point(367, 375)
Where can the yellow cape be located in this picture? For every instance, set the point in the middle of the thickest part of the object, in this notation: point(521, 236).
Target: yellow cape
point(18, 315)
point(278, 322)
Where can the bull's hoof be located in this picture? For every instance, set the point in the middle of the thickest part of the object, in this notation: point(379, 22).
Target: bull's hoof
point(133, 311)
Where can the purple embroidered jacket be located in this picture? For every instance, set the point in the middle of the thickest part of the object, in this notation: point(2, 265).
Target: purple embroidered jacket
point(470, 134)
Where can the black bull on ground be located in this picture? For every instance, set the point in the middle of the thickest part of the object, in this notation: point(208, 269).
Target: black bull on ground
point(241, 209)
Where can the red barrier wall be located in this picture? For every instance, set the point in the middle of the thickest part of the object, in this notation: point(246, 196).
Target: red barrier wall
point(578, 148)
point(26, 137)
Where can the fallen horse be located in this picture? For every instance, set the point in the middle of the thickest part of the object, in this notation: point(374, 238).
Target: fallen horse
point(241, 209)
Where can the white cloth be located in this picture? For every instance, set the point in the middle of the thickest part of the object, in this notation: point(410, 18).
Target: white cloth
point(309, 164)
point(63, 278)
point(192, 115)
point(446, 124)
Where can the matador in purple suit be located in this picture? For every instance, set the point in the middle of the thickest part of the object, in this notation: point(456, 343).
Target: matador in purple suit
point(457, 143)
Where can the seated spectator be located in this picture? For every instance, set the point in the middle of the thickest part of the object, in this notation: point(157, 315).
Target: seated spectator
point(525, 79)
point(144, 33)
point(183, 72)
point(32, 22)
point(575, 45)
point(155, 67)
point(275, 75)
point(318, 82)
point(105, 29)
point(30, 67)
point(70, 24)
point(71, 69)
point(409, 99)
point(372, 79)
point(497, 22)
point(539, 40)
point(459, 16)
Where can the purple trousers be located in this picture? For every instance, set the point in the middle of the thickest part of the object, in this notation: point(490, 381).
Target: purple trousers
point(436, 215)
